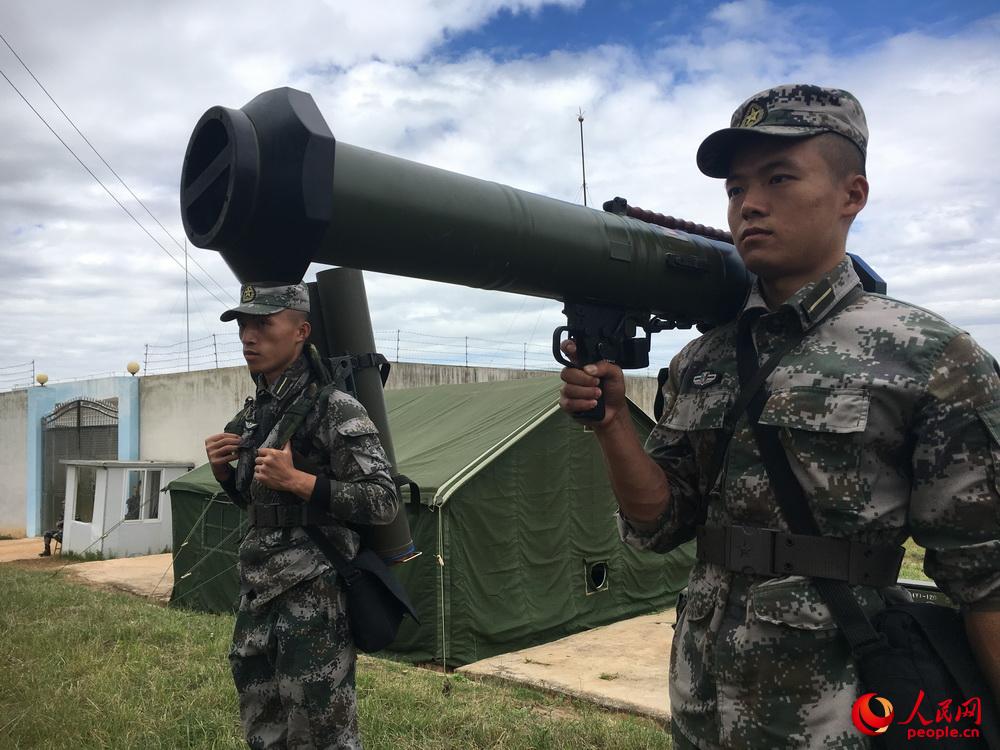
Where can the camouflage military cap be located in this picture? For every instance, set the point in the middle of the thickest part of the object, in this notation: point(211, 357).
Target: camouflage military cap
point(792, 110)
point(265, 298)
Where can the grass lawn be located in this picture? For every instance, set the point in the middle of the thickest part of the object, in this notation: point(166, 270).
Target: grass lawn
point(90, 669)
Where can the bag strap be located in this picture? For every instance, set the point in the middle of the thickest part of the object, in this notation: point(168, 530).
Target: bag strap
point(345, 569)
point(792, 499)
point(752, 376)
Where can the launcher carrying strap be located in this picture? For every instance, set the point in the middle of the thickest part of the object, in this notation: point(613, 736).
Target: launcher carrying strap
point(273, 516)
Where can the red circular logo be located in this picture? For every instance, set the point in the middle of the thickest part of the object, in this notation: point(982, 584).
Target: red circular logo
point(866, 720)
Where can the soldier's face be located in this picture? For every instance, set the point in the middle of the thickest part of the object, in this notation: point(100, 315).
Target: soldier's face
point(272, 342)
point(788, 211)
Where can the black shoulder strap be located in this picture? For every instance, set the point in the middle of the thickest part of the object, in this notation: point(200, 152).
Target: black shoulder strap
point(344, 568)
point(791, 498)
point(753, 375)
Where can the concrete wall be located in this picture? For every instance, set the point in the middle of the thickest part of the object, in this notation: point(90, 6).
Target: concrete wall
point(41, 402)
point(178, 411)
point(13, 461)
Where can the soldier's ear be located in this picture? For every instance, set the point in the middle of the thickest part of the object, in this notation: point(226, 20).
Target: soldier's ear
point(305, 328)
point(856, 195)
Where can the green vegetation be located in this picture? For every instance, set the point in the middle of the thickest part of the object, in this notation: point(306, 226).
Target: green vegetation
point(90, 669)
point(80, 556)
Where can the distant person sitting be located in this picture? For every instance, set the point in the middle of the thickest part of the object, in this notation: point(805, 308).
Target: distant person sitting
point(48, 536)
point(132, 504)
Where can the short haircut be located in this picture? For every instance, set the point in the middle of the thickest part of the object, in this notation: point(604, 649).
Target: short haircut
point(300, 316)
point(843, 157)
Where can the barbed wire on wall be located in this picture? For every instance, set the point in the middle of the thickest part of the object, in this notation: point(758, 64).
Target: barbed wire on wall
point(17, 376)
point(398, 345)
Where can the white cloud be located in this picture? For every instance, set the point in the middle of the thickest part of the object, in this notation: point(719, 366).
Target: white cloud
point(91, 289)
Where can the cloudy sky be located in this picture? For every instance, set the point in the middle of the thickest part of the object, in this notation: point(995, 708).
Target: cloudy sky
point(489, 88)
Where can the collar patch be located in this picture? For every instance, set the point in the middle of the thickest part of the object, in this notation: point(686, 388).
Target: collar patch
point(818, 301)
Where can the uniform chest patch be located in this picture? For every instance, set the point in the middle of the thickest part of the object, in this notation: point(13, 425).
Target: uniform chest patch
point(706, 378)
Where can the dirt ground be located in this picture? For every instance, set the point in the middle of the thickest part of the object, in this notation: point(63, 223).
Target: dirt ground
point(151, 576)
point(21, 549)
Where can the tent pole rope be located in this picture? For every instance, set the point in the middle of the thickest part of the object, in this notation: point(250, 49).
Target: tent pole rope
point(216, 548)
point(173, 558)
point(206, 581)
point(440, 559)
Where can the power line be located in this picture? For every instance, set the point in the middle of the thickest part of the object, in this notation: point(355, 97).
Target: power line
point(105, 162)
point(106, 189)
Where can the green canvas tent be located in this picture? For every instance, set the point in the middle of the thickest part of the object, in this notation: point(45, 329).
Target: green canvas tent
point(515, 523)
point(207, 529)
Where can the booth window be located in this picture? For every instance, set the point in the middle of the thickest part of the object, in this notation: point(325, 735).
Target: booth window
point(152, 494)
point(86, 486)
point(142, 495)
point(133, 495)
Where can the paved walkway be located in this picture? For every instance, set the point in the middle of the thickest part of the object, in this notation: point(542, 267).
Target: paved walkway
point(621, 666)
point(148, 575)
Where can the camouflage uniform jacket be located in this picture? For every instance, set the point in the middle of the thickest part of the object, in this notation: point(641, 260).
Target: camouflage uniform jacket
point(891, 421)
point(336, 440)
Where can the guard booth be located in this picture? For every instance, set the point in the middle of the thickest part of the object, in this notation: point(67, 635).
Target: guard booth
point(117, 508)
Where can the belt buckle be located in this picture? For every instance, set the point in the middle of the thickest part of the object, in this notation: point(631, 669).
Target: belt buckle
point(750, 550)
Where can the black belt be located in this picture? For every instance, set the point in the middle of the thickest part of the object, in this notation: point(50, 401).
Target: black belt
point(767, 552)
point(287, 516)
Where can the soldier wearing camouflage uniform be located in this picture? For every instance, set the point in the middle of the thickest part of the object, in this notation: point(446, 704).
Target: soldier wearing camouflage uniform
point(889, 416)
point(292, 655)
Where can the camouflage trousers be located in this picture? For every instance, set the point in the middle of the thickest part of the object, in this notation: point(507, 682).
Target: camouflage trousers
point(293, 664)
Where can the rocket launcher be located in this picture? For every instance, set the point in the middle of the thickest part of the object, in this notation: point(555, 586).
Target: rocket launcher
point(271, 189)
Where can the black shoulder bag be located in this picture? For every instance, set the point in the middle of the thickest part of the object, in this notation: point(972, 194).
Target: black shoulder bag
point(910, 647)
point(376, 600)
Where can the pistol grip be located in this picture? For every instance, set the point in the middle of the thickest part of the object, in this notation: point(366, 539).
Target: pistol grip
point(595, 415)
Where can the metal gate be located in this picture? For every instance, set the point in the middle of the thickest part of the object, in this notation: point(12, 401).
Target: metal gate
point(81, 429)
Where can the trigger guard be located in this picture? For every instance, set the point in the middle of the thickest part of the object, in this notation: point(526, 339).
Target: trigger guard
point(556, 346)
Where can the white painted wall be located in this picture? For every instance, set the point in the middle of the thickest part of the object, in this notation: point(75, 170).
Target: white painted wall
point(178, 411)
point(13, 461)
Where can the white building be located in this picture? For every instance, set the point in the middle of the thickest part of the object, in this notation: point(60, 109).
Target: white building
point(118, 508)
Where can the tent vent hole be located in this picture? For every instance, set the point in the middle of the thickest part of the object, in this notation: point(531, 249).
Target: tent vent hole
point(596, 574)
